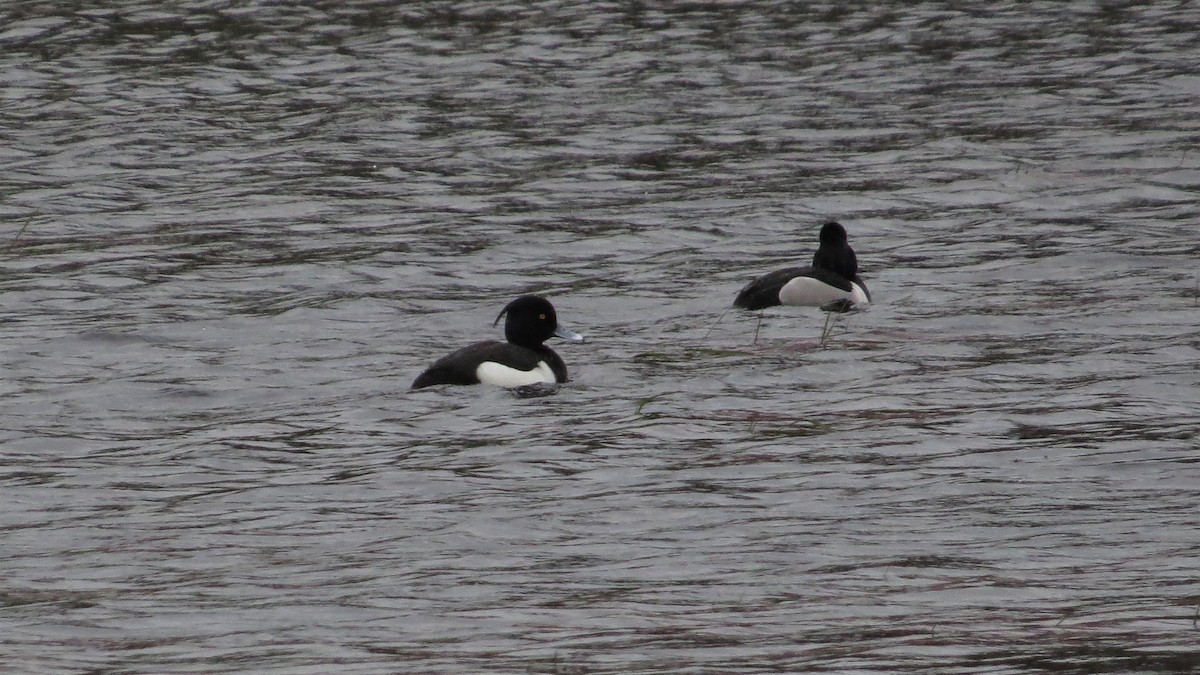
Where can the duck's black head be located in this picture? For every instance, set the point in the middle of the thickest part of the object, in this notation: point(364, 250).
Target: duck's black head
point(834, 253)
point(531, 321)
point(833, 233)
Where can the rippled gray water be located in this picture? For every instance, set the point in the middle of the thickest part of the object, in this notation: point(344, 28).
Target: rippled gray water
point(233, 234)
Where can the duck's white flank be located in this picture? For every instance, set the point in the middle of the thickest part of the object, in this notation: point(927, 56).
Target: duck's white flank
point(500, 375)
point(810, 292)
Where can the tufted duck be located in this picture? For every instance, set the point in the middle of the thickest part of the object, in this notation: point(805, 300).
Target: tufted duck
point(522, 360)
point(831, 283)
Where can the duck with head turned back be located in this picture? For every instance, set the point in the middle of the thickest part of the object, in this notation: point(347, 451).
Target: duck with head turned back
point(831, 282)
point(519, 361)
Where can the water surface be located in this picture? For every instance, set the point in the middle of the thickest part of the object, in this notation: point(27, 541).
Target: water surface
point(232, 235)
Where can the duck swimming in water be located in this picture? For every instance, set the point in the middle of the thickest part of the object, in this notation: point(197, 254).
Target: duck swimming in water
point(831, 282)
point(520, 361)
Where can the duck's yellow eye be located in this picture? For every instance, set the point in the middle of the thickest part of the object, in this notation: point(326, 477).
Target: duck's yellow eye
point(542, 317)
